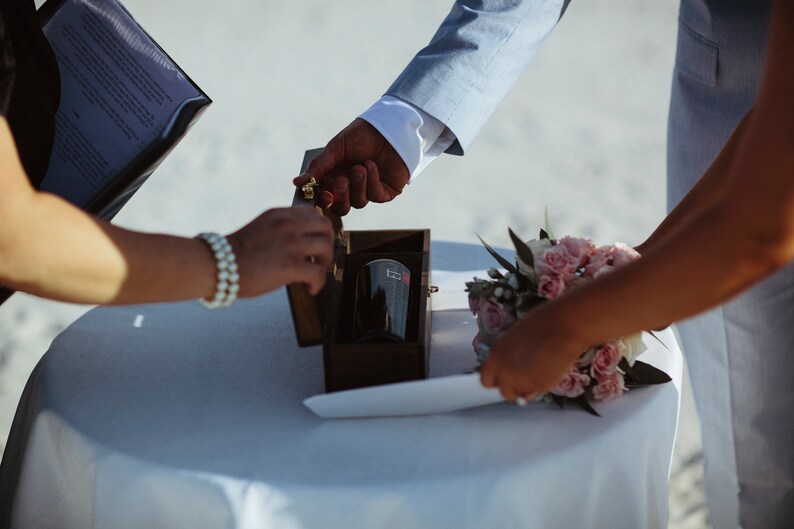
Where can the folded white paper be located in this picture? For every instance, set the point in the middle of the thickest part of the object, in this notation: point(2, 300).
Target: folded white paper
point(418, 397)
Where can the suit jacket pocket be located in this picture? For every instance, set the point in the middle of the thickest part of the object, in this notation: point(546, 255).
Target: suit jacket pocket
point(696, 56)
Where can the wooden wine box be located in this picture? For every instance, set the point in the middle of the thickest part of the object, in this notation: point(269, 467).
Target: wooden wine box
point(328, 318)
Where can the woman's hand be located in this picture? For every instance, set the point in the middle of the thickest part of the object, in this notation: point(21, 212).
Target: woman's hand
point(282, 246)
point(532, 356)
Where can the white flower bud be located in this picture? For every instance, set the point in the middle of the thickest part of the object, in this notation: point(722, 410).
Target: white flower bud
point(631, 347)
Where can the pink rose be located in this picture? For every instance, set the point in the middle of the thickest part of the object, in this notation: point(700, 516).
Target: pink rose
point(609, 387)
point(623, 254)
point(578, 247)
point(558, 261)
point(572, 384)
point(606, 359)
point(598, 259)
point(603, 270)
point(481, 349)
point(550, 287)
point(474, 302)
point(486, 339)
point(493, 316)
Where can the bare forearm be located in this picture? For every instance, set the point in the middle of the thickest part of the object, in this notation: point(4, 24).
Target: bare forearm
point(717, 245)
point(723, 243)
point(683, 276)
point(56, 251)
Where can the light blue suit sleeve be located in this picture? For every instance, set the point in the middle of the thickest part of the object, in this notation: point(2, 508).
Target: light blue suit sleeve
point(474, 59)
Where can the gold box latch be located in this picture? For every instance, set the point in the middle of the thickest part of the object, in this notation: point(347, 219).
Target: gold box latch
point(308, 188)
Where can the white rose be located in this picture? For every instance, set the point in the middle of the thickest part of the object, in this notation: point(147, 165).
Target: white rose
point(631, 347)
point(537, 246)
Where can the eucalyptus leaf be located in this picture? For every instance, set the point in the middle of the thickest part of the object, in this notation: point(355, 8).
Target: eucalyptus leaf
point(582, 401)
point(549, 233)
point(522, 250)
point(502, 261)
point(628, 370)
point(524, 283)
point(648, 375)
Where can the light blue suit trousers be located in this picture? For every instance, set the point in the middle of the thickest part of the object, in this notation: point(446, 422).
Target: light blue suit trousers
point(741, 355)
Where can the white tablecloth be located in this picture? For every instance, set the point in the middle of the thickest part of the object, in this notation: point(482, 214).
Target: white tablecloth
point(173, 416)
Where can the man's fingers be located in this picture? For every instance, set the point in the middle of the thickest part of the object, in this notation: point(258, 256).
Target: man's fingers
point(301, 180)
point(358, 187)
point(375, 190)
point(378, 190)
point(325, 199)
point(323, 163)
point(341, 192)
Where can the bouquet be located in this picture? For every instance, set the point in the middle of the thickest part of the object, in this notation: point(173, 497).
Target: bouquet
point(546, 268)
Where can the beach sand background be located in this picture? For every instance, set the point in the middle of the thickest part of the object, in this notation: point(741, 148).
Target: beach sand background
point(582, 134)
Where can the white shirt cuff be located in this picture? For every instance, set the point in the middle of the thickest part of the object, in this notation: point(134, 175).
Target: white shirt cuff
point(418, 137)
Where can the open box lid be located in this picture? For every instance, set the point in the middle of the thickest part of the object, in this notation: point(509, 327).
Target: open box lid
point(314, 316)
point(310, 313)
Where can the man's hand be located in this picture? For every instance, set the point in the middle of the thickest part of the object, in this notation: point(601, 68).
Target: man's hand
point(357, 166)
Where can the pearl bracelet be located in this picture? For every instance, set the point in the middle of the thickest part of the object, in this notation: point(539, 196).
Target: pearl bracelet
point(228, 279)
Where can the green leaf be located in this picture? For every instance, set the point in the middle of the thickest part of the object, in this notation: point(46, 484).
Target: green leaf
point(626, 368)
point(582, 401)
point(502, 261)
point(648, 375)
point(522, 250)
point(550, 234)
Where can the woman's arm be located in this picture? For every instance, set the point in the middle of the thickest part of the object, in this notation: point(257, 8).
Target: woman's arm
point(727, 243)
point(52, 249)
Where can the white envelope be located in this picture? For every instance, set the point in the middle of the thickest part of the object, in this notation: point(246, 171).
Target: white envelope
point(418, 397)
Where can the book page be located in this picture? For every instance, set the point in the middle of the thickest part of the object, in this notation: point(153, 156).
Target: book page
point(118, 93)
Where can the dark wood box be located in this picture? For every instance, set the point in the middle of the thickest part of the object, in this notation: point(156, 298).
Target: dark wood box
point(327, 318)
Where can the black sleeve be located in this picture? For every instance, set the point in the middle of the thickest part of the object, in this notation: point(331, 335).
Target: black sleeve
point(6, 63)
point(29, 85)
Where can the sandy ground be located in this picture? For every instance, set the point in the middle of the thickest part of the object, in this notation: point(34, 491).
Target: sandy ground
point(582, 134)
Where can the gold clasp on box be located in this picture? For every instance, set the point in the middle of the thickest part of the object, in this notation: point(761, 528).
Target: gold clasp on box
point(308, 188)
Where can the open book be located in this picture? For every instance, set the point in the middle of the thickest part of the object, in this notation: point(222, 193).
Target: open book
point(124, 105)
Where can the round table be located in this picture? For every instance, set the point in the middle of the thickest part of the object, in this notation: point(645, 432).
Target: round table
point(170, 416)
